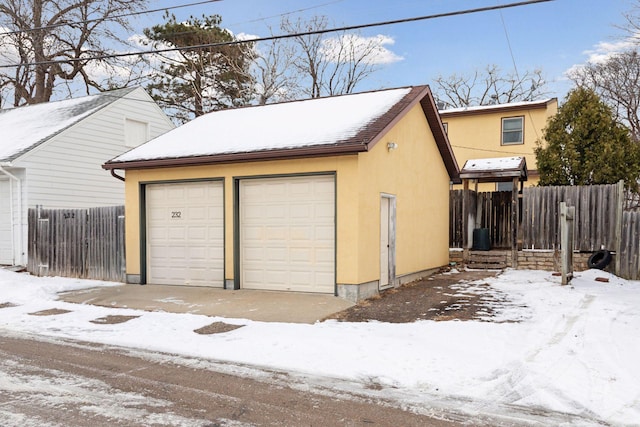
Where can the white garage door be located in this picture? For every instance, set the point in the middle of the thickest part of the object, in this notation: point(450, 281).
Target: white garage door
point(287, 234)
point(185, 233)
point(6, 240)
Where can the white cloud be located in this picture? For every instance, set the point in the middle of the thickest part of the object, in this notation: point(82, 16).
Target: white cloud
point(604, 50)
point(349, 46)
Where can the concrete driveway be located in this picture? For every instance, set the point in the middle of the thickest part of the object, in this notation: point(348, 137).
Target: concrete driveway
point(266, 306)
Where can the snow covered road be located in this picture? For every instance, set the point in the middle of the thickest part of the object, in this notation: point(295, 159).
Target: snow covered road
point(569, 354)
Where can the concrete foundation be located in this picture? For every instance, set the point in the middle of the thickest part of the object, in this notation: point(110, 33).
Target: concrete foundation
point(133, 279)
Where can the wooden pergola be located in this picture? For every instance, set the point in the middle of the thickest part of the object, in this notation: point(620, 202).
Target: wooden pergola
point(501, 169)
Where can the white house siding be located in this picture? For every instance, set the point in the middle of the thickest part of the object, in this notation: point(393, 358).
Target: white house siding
point(6, 239)
point(66, 171)
point(12, 229)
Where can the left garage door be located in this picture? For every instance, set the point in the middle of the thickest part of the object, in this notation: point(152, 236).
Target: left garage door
point(185, 233)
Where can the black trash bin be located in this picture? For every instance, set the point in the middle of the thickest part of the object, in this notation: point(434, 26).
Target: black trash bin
point(481, 239)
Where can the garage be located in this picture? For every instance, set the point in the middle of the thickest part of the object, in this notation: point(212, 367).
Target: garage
point(287, 233)
point(185, 233)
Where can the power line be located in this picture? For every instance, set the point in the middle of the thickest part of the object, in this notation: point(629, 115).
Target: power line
point(285, 36)
point(124, 15)
point(288, 13)
point(515, 68)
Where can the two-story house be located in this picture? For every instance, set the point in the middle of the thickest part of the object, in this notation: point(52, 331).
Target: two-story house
point(503, 130)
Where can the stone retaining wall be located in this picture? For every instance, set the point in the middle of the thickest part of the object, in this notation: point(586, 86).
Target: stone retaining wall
point(546, 260)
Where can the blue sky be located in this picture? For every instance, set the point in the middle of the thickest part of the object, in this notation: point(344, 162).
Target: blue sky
point(553, 36)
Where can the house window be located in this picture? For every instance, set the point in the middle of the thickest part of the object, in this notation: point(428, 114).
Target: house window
point(512, 130)
point(135, 132)
point(446, 127)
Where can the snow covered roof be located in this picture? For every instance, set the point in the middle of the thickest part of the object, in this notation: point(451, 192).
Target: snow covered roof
point(24, 128)
point(498, 107)
point(323, 126)
point(495, 169)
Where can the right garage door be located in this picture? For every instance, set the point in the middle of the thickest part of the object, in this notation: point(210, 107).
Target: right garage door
point(287, 233)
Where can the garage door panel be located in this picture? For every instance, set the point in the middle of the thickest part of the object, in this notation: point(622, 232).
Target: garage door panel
point(284, 223)
point(300, 211)
point(185, 234)
point(275, 233)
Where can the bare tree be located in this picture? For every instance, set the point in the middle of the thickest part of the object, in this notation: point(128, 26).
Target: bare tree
point(488, 87)
point(54, 40)
point(617, 81)
point(273, 79)
point(631, 25)
point(333, 65)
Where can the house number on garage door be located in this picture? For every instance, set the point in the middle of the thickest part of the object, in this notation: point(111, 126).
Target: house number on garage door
point(176, 214)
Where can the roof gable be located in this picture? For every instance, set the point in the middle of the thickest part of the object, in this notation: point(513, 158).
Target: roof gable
point(345, 124)
point(25, 128)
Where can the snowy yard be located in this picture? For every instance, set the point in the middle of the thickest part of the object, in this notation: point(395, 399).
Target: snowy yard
point(573, 349)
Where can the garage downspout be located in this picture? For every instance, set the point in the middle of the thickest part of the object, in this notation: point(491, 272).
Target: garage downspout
point(11, 212)
point(115, 175)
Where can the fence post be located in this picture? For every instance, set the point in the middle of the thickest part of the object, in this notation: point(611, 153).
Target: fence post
point(619, 215)
point(514, 223)
point(567, 214)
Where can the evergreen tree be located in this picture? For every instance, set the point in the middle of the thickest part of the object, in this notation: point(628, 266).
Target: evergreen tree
point(191, 82)
point(585, 145)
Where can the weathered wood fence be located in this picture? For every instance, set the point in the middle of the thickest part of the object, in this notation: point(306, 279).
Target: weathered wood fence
point(600, 221)
point(83, 243)
point(630, 247)
point(594, 225)
point(490, 210)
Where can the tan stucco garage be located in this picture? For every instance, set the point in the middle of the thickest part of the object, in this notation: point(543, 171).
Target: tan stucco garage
point(344, 195)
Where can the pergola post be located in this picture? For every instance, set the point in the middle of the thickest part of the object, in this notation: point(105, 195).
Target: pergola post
point(514, 223)
point(465, 221)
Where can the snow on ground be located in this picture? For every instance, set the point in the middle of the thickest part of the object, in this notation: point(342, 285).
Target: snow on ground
point(572, 349)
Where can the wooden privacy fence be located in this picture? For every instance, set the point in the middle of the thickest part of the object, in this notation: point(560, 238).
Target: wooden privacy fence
point(490, 210)
point(600, 220)
point(83, 243)
point(594, 225)
point(630, 247)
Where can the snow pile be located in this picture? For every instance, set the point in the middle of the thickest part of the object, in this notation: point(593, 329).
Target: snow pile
point(572, 349)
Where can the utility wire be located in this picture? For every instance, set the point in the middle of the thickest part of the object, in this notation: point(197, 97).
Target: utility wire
point(286, 36)
point(515, 68)
point(288, 13)
point(124, 15)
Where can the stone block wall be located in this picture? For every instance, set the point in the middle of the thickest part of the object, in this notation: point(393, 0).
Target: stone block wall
point(546, 260)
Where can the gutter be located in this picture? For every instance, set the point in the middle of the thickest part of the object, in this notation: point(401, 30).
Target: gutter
point(19, 247)
point(115, 175)
point(252, 156)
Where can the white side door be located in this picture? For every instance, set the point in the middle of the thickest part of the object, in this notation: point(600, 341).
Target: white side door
point(387, 241)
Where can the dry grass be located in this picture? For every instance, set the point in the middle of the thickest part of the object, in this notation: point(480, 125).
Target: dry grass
point(216, 328)
point(112, 320)
point(50, 312)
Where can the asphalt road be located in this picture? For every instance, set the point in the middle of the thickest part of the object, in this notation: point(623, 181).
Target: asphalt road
point(47, 383)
